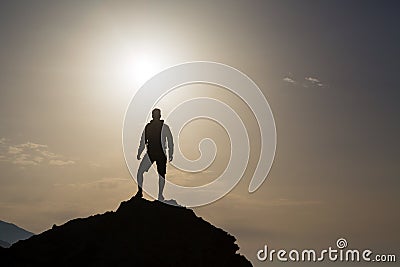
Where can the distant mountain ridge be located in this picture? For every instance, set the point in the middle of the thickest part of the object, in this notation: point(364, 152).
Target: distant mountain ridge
point(4, 244)
point(10, 233)
point(139, 233)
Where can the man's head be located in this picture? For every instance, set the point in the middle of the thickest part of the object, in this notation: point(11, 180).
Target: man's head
point(156, 114)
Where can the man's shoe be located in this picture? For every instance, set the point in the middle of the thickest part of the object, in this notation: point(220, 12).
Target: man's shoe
point(139, 194)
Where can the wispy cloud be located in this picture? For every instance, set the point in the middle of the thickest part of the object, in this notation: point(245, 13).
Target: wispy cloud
point(59, 162)
point(25, 160)
point(289, 80)
point(14, 150)
point(103, 183)
point(308, 82)
point(311, 79)
point(314, 81)
point(30, 154)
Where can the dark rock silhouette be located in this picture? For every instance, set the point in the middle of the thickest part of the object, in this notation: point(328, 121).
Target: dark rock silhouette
point(139, 233)
point(4, 244)
point(10, 233)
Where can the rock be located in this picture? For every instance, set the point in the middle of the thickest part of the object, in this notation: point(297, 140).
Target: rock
point(139, 233)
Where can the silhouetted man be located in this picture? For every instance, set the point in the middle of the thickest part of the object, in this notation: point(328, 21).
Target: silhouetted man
point(155, 135)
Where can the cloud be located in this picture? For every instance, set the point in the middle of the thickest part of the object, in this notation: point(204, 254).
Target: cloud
point(289, 80)
point(14, 150)
point(59, 162)
point(103, 183)
point(312, 80)
point(48, 154)
point(307, 83)
point(30, 154)
point(25, 160)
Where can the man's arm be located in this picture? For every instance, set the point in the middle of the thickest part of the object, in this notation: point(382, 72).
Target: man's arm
point(170, 141)
point(142, 144)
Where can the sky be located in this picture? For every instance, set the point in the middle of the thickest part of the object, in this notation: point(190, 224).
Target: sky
point(329, 71)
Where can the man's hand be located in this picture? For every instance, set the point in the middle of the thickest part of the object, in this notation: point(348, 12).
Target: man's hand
point(171, 158)
point(138, 157)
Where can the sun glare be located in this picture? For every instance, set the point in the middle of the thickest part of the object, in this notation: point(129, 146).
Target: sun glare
point(139, 68)
point(144, 68)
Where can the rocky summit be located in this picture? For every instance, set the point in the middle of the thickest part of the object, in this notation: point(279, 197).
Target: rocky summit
point(139, 233)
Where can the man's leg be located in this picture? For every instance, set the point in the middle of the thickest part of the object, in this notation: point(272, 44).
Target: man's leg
point(161, 184)
point(161, 169)
point(140, 184)
point(144, 166)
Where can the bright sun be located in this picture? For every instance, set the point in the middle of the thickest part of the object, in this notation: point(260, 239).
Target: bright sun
point(144, 68)
point(138, 68)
